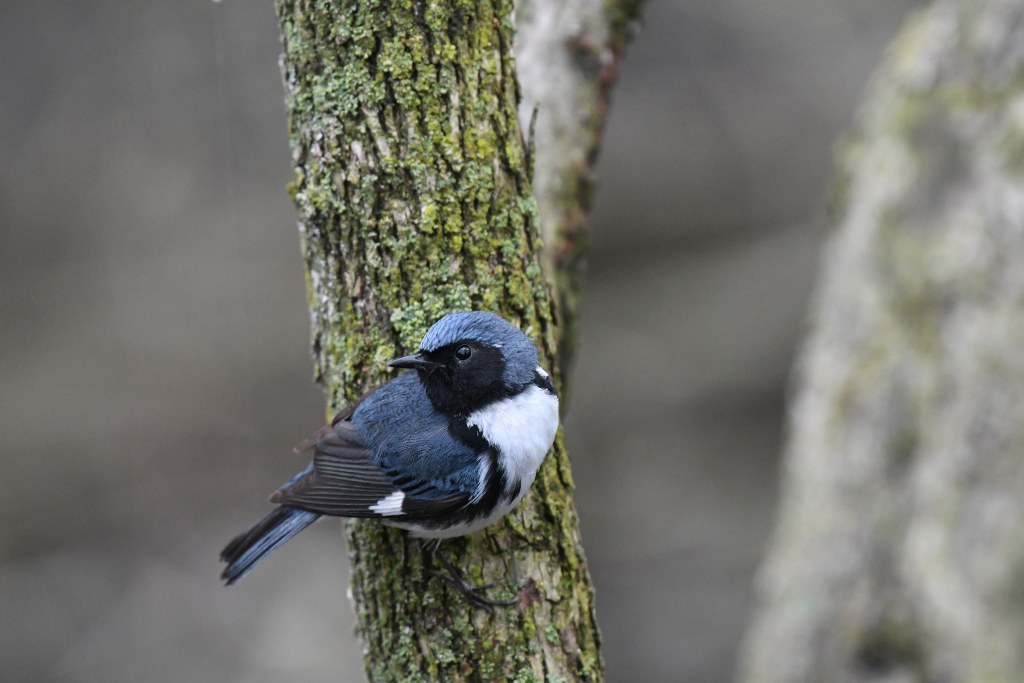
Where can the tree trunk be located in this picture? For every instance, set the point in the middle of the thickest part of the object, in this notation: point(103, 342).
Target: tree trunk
point(568, 54)
point(899, 554)
point(413, 190)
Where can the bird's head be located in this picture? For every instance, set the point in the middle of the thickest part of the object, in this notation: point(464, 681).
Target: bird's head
point(467, 360)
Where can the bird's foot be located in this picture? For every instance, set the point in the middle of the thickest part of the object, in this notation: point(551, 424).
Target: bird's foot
point(472, 592)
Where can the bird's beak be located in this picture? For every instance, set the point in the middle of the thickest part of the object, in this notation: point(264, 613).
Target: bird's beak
point(416, 362)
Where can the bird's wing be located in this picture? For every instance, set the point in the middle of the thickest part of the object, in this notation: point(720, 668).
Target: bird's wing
point(346, 482)
point(325, 431)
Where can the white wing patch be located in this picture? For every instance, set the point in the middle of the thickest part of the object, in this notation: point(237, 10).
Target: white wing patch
point(522, 428)
point(389, 505)
point(483, 467)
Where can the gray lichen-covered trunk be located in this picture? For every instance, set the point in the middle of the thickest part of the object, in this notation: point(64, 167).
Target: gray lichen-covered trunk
point(568, 54)
point(414, 196)
point(899, 554)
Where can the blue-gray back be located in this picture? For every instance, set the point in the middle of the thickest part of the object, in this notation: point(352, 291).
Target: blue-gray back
point(407, 435)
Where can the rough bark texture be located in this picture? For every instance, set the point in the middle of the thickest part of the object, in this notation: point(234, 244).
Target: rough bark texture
point(414, 200)
point(899, 554)
point(568, 55)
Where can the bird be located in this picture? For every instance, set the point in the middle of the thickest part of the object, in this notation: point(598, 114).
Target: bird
point(445, 449)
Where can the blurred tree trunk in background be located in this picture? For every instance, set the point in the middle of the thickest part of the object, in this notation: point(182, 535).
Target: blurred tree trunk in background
point(899, 554)
point(414, 198)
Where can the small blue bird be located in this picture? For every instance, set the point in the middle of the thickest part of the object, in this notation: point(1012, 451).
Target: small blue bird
point(442, 451)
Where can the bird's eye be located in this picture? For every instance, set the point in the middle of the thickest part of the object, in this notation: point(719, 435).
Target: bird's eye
point(463, 352)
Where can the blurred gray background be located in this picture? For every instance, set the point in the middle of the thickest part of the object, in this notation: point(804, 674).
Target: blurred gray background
point(154, 370)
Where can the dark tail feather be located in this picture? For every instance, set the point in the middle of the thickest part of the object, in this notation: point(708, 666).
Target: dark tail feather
point(270, 533)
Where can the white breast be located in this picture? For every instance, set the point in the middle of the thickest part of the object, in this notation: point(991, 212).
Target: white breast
point(522, 428)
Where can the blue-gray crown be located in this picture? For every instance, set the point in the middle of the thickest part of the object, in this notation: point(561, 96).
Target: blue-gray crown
point(518, 351)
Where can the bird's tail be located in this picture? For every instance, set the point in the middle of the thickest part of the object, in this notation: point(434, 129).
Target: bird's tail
point(266, 536)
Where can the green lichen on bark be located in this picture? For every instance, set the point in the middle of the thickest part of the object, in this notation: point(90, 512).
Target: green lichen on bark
point(414, 200)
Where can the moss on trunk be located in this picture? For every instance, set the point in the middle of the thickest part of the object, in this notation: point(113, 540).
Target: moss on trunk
point(414, 200)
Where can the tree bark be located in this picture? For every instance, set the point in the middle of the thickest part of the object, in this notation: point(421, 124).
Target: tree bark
point(413, 190)
point(568, 55)
point(899, 553)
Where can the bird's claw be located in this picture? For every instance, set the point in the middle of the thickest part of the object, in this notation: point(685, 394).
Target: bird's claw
point(472, 592)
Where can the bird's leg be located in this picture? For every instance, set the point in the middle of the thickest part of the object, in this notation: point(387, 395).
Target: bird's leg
point(454, 578)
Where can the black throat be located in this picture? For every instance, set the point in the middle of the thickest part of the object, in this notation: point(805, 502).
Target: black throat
point(458, 388)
